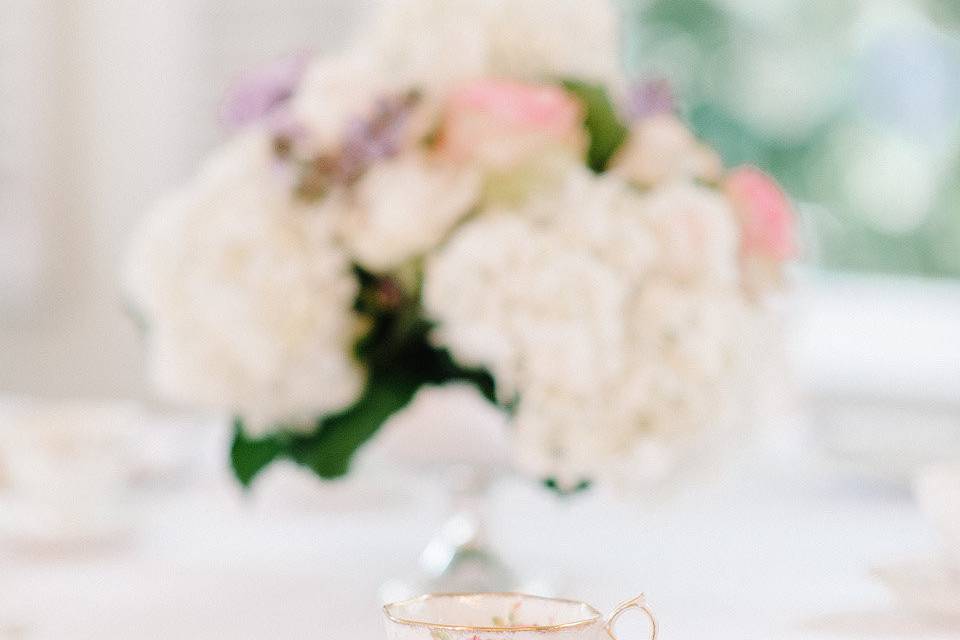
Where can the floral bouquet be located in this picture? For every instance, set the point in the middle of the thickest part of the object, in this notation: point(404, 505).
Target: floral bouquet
point(472, 193)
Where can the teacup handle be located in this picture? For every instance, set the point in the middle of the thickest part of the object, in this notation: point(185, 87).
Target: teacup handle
point(640, 602)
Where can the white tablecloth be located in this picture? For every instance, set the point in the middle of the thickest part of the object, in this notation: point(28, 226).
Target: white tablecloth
point(782, 550)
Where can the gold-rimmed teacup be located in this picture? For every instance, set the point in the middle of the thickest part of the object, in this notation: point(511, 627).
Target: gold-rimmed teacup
point(501, 616)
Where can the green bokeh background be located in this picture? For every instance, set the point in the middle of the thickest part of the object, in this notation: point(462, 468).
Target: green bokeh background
point(854, 105)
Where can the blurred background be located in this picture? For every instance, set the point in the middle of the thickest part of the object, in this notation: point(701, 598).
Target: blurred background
point(853, 105)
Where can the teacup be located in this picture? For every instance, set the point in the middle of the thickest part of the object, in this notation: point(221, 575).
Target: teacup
point(501, 616)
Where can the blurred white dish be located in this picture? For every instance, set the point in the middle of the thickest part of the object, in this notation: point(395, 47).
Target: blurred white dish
point(933, 586)
point(26, 526)
point(66, 467)
point(938, 493)
point(927, 588)
point(886, 438)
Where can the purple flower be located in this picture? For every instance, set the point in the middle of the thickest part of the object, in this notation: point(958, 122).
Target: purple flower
point(263, 94)
point(376, 137)
point(649, 98)
point(366, 140)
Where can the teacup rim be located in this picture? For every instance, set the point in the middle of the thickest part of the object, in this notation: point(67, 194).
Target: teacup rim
point(595, 617)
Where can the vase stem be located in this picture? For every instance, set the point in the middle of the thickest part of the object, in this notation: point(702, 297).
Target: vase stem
point(458, 557)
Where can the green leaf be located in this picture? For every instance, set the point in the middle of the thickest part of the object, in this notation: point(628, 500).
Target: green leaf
point(391, 386)
point(603, 124)
point(249, 456)
point(399, 360)
point(556, 487)
point(329, 451)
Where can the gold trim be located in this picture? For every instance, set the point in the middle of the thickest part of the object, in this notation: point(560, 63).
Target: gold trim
point(596, 617)
point(640, 602)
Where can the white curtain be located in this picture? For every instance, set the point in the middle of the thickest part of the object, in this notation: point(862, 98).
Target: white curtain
point(24, 61)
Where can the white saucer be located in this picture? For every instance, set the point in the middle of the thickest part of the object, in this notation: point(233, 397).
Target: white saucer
point(26, 527)
point(924, 587)
point(884, 439)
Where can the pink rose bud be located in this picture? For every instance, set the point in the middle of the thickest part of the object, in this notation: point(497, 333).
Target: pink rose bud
point(766, 218)
point(501, 122)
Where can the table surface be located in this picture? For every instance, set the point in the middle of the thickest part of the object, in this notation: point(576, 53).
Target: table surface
point(778, 550)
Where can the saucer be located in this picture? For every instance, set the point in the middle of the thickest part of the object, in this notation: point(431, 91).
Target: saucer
point(30, 528)
point(925, 587)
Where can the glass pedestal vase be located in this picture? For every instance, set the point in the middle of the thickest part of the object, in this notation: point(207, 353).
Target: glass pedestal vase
point(459, 558)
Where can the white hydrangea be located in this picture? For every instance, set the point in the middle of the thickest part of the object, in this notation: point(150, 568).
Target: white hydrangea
point(696, 231)
point(540, 290)
point(246, 294)
point(334, 91)
point(539, 39)
point(599, 212)
point(439, 43)
point(577, 303)
point(404, 206)
point(661, 148)
point(430, 44)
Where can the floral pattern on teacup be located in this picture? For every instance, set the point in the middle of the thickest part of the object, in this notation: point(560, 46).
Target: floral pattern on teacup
point(511, 619)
